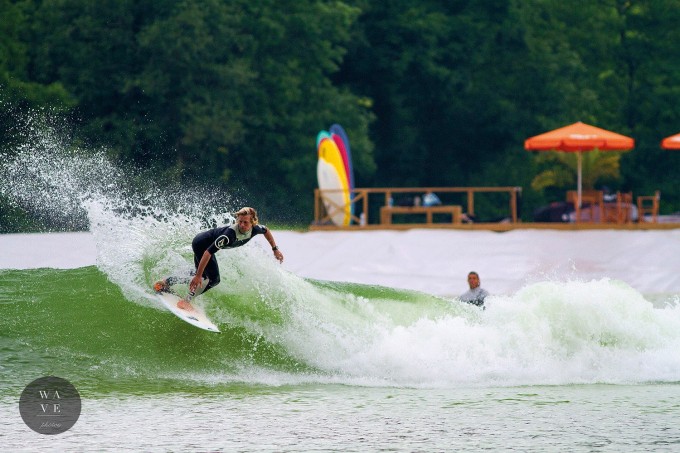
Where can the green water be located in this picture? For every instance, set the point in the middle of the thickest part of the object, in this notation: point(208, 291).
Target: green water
point(78, 325)
point(349, 418)
point(307, 365)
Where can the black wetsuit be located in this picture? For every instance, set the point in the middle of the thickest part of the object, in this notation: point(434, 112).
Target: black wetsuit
point(226, 237)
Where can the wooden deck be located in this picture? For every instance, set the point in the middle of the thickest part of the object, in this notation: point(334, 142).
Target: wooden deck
point(374, 209)
point(387, 201)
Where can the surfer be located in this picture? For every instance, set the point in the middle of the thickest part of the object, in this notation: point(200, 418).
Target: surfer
point(207, 243)
point(475, 295)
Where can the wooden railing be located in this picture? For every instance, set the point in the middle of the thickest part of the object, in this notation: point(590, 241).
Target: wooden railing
point(360, 207)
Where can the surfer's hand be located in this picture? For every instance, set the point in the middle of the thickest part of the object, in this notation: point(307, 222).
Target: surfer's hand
point(195, 283)
point(278, 255)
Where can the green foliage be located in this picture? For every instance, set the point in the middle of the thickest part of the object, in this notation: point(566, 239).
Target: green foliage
point(229, 93)
point(561, 169)
point(17, 92)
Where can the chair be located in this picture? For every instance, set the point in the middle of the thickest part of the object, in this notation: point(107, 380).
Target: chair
point(592, 201)
point(611, 210)
point(625, 201)
point(649, 204)
point(619, 210)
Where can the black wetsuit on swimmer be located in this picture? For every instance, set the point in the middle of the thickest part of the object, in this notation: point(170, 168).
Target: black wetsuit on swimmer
point(226, 237)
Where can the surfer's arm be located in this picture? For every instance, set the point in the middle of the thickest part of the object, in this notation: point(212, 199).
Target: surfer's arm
point(198, 278)
point(270, 238)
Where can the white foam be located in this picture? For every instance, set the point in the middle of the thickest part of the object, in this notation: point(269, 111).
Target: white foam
point(546, 333)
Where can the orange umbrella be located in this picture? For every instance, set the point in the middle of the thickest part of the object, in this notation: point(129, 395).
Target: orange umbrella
point(579, 137)
point(672, 142)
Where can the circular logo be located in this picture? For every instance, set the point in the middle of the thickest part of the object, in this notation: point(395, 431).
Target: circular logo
point(50, 405)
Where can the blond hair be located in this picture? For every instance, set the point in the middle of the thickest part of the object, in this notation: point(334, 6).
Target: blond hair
point(248, 211)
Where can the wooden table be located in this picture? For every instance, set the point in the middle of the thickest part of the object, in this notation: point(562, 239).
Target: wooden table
point(386, 212)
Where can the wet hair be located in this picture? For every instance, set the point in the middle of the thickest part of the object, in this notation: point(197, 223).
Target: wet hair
point(248, 211)
point(473, 273)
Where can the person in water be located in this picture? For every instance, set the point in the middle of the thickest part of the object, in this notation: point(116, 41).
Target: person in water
point(475, 295)
point(207, 243)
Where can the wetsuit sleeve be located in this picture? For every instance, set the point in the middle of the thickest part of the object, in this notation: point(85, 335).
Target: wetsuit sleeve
point(260, 229)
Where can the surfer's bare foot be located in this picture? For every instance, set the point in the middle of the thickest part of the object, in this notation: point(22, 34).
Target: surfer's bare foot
point(184, 305)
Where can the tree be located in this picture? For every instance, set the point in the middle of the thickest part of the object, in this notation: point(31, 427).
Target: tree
point(292, 97)
point(17, 92)
point(561, 169)
point(227, 93)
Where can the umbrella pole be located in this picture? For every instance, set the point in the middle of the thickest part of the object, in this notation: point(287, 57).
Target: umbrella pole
point(579, 180)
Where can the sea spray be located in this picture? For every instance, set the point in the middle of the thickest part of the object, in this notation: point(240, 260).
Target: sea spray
point(130, 215)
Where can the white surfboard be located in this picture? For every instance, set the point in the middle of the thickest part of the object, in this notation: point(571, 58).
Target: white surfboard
point(336, 200)
point(195, 317)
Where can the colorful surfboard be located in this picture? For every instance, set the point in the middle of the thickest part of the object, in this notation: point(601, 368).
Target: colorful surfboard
point(333, 154)
point(340, 132)
point(336, 199)
point(330, 152)
point(320, 136)
point(345, 160)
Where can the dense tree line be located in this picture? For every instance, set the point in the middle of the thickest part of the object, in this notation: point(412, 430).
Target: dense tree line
point(434, 92)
